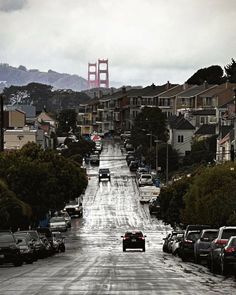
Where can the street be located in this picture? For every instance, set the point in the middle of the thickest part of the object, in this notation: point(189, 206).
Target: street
point(94, 262)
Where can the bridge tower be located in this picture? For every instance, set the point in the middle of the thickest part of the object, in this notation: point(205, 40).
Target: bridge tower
point(103, 73)
point(92, 75)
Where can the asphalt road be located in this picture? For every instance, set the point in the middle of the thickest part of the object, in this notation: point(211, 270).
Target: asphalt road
point(94, 262)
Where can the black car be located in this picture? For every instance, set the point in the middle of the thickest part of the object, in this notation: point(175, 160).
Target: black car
point(186, 250)
point(58, 242)
point(155, 206)
point(104, 173)
point(216, 246)
point(94, 159)
point(9, 251)
point(228, 256)
point(133, 166)
point(129, 159)
point(133, 240)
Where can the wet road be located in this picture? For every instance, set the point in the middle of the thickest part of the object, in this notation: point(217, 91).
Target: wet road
point(94, 262)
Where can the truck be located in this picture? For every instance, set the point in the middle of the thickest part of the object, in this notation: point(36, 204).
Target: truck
point(146, 193)
point(74, 207)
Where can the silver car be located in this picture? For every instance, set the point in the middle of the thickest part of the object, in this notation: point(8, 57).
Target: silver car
point(58, 223)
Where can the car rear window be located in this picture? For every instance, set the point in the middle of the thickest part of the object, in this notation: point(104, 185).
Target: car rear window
point(227, 233)
point(193, 236)
point(136, 234)
point(146, 176)
point(211, 235)
point(6, 238)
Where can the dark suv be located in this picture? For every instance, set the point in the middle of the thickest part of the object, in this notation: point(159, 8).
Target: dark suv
point(9, 252)
point(133, 240)
point(224, 234)
point(104, 173)
point(187, 244)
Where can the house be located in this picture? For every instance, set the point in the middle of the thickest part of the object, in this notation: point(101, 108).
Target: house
point(181, 132)
point(15, 138)
point(14, 118)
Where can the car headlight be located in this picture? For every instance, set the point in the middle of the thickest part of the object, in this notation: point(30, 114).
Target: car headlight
point(108, 174)
point(100, 174)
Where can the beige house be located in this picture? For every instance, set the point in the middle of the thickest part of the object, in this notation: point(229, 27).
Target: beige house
point(14, 118)
point(15, 138)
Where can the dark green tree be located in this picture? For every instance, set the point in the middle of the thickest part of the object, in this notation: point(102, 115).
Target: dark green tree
point(67, 121)
point(230, 70)
point(212, 75)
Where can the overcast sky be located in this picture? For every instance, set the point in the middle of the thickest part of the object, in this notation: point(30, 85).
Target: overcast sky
point(145, 40)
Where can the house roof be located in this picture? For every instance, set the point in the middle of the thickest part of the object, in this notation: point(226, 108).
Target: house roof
point(151, 90)
point(180, 123)
point(218, 89)
point(225, 130)
point(195, 90)
point(206, 129)
point(172, 92)
point(225, 105)
point(45, 117)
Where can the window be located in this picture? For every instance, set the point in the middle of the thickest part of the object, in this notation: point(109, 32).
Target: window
point(180, 138)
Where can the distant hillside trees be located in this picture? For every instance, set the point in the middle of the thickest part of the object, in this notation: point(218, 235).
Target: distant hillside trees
point(43, 96)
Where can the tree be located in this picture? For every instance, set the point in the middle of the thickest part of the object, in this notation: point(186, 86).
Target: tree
point(211, 198)
point(67, 121)
point(202, 151)
point(13, 211)
point(230, 70)
point(212, 75)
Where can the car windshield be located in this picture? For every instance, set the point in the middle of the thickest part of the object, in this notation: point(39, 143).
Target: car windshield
point(227, 233)
point(233, 242)
point(57, 219)
point(104, 171)
point(6, 238)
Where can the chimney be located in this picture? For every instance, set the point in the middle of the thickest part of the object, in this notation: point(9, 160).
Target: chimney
point(168, 85)
point(185, 85)
point(123, 90)
point(205, 84)
point(153, 86)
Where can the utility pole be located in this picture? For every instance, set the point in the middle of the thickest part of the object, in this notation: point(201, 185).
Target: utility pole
point(1, 124)
point(156, 141)
point(167, 162)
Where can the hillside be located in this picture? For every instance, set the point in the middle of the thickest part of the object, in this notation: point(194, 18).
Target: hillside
point(21, 76)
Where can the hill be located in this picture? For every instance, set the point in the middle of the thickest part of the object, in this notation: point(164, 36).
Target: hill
point(22, 76)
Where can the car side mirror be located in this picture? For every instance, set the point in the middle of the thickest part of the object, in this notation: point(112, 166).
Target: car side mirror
point(145, 236)
point(122, 236)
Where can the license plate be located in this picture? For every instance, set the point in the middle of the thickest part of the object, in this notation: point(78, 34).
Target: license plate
point(1, 256)
point(133, 240)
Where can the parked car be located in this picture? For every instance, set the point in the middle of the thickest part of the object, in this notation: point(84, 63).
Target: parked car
point(125, 134)
point(26, 249)
point(175, 245)
point(67, 218)
point(186, 250)
point(129, 159)
point(155, 206)
point(98, 146)
point(38, 244)
point(129, 148)
point(145, 179)
point(202, 245)
point(228, 256)
point(133, 166)
point(214, 257)
point(58, 223)
point(104, 173)
point(58, 242)
point(27, 246)
point(9, 251)
point(133, 240)
point(141, 170)
point(94, 159)
point(168, 240)
point(45, 231)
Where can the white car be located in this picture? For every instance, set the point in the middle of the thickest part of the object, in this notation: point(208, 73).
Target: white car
point(58, 223)
point(145, 179)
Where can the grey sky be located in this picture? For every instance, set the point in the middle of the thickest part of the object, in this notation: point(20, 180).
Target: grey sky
point(145, 40)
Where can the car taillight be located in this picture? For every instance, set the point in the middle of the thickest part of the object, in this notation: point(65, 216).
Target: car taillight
point(230, 250)
point(220, 243)
point(141, 238)
point(126, 238)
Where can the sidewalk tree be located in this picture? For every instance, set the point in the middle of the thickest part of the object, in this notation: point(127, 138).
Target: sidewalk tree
point(67, 121)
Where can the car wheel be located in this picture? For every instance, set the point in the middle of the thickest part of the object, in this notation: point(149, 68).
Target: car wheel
point(124, 249)
point(18, 262)
point(184, 258)
point(144, 249)
point(213, 267)
point(29, 261)
point(176, 252)
point(197, 259)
